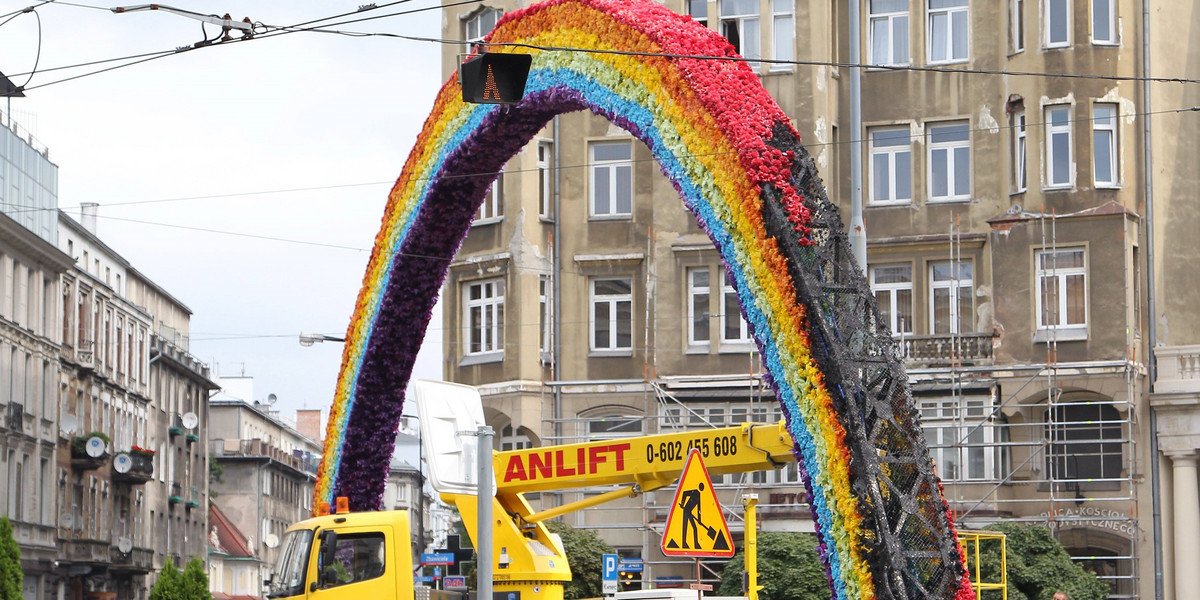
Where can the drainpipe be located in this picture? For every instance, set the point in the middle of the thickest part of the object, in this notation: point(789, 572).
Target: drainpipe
point(556, 273)
point(858, 226)
point(1152, 303)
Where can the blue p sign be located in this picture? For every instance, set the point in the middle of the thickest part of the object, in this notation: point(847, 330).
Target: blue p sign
point(610, 567)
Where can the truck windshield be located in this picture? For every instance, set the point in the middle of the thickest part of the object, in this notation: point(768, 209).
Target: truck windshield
point(293, 564)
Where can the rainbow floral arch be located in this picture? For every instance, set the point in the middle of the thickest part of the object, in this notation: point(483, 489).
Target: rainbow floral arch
point(739, 167)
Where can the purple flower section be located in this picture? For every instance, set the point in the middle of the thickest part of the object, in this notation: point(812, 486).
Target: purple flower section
point(418, 271)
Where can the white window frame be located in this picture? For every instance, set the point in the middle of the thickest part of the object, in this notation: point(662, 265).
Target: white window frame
point(545, 167)
point(545, 312)
point(950, 148)
point(623, 426)
point(956, 285)
point(1016, 24)
point(699, 293)
point(492, 208)
point(960, 429)
point(948, 13)
point(1112, 39)
point(511, 439)
point(740, 21)
point(897, 325)
point(692, 10)
point(1055, 135)
point(613, 302)
point(890, 154)
point(729, 303)
point(1059, 276)
point(1020, 148)
point(490, 305)
point(609, 170)
point(1048, 25)
point(890, 23)
point(473, 25)
point(1105, 132)
point(783, 34)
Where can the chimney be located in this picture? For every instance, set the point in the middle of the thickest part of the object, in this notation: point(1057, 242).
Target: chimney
point(87, 216)
point(308, 423)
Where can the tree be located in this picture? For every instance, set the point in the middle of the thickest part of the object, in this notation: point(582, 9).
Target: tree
point(216, 473)
point(1038, 566)
point(194, 581)
point(167, 587)
point(12, 579)
point(788, 568)
point(585, 553)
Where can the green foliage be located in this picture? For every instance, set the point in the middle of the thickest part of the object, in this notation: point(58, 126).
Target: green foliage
point(216, 474)
point(168, 585)
point(788, 568)
point(11, 576)
point(79, 443)
point(1038, 566)
point(585, 552)
point(193, 583)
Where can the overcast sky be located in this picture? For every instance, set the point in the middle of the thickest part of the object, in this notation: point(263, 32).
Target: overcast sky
point(303, 110)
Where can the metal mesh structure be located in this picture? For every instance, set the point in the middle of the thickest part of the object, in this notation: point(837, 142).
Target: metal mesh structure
point(913, 552)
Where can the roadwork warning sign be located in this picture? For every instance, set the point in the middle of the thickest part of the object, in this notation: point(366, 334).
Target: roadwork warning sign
point(696, 527)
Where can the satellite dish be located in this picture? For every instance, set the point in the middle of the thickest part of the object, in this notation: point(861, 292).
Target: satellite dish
point(271, 540)
point(122, 463)
point(95, 446)
point(124, 545)
point(190, 420)
point(271, 398)
point(69, 424)
point(65, 520)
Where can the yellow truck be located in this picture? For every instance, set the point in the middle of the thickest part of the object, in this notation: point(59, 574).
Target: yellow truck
point(344, 555)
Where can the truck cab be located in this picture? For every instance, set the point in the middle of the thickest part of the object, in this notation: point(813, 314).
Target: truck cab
point(344, 556)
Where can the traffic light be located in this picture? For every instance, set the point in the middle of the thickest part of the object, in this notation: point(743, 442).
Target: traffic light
point(494, 78)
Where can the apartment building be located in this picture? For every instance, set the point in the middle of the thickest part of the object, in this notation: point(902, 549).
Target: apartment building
point(1029, 202)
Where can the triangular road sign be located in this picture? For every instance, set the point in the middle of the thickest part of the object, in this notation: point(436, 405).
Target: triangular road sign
point(696, 526)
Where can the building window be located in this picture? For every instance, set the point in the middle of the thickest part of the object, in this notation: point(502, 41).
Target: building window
point(357, 557)
point(1020, 179)
point(889, 32)
point(734, 329)
point(893, 288)
point(478, 25)
point(949, 162)
point(947, 31)
point(1017, 24)
point(783, 32)
point(511, 439)
point(545, 167)
point(1057, 23)
point(1104, 22)
point(483, 322)
point(1104, 145)
point(601, 427)
point(960, 437)
point(612, 179)
point(612, 314)
point(1058, 146)
point(492, 209)
point(891, 166)
point(1085, 441)
point(544, 292)
point(1061, 288)
point(698, 9)
point(698, 302)
point(739, 25)
point(951, 304)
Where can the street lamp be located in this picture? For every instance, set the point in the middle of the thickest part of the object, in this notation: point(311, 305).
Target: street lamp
point(307, 338)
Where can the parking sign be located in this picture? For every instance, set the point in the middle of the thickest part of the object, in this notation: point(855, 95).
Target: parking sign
point(609, 575)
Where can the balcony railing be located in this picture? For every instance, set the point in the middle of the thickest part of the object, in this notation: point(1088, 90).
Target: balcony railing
point(87, 551)
point(85, 354)
point(299, 460)
point(137, 560)
point(972, 348)
point(141, 470)
point(193, 499)
point(176, 494)
point(1178, 369)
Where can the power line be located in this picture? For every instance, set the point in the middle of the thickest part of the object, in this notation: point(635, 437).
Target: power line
point(236, 234)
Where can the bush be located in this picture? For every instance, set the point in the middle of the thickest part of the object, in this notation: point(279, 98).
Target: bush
point(1038, 566)
point(11, 577)
point(585, 553)
point(788, 568)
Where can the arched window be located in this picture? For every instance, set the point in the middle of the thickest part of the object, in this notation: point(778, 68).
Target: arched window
point(513, 439)
point(610, 425)
point(1085, 441)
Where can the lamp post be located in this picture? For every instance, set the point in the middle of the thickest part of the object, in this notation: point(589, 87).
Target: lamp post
point(308, 338)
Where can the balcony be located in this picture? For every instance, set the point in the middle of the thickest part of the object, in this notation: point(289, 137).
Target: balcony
point(16, 417)
point(140, 471)
point(85, 354)
point(80, 459)
point(87, 551)
point(138, 561)
point(963, 348)
point(1178, 369)
point(299, 460)
point(193, 499)
point(176, 494)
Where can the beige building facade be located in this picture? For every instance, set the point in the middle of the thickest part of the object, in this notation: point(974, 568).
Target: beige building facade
point(1029, 197)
